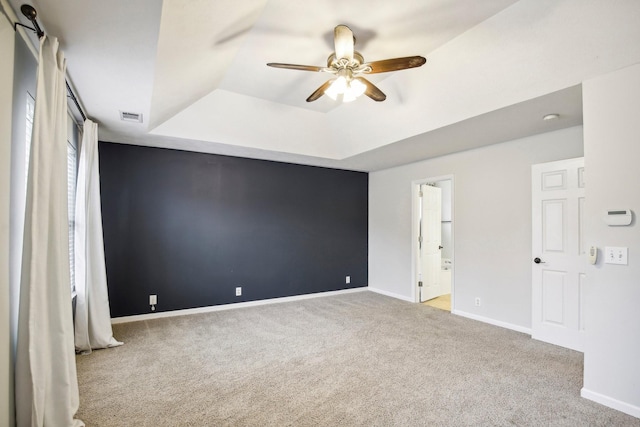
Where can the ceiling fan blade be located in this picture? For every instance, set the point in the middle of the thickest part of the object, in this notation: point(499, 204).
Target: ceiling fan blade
point(396, 64)
point(372, 90)
point(295, 66)
point(320, 91)
point(343, 40)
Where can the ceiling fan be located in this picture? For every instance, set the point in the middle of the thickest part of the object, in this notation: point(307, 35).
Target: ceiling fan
point(348, 67)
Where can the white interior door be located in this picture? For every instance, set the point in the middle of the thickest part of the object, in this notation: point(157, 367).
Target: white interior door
point(559, 254)
point(430, 242)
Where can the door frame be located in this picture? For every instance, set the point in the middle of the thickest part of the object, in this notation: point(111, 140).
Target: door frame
point(415, 202)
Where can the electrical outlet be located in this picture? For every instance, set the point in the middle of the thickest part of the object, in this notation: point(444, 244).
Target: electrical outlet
point(347, 279)
point(153, 299)
point(238, 291)
point(477, 302)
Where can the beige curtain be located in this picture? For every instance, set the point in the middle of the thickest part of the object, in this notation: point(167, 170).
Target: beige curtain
point(46, 382)
point(93, 319)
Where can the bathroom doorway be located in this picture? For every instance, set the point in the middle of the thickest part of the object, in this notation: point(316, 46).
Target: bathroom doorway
point(433, 242)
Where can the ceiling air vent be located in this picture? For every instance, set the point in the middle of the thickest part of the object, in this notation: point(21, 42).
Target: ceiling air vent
point(130, 117)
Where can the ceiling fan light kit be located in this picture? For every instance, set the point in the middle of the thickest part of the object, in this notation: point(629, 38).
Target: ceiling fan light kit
point(347, 87)
point(348, 66)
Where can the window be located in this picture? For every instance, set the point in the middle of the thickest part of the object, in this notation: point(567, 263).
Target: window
point(72, 175)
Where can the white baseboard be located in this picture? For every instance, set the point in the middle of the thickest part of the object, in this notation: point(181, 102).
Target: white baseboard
point(494, 322)
point(209, 309)
point(610, 402)
point(390, 294)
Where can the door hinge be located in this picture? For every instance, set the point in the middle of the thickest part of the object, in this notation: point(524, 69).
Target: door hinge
point(420, 284)
point(420, 194)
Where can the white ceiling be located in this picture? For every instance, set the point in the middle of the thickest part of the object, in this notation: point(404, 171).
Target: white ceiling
point(197, 72)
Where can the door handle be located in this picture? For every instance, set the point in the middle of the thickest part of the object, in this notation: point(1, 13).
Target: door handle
point(439, 247)
point(538, 261)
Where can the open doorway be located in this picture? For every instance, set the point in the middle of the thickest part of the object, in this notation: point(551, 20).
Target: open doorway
point(433, 242)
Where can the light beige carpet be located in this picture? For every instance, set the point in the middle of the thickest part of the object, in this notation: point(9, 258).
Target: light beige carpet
point(358, 359)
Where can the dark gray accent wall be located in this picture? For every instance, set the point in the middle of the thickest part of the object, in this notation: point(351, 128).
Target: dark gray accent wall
point(191, 227)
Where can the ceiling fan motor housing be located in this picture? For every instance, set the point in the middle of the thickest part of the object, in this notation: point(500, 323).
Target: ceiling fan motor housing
point(337, 63)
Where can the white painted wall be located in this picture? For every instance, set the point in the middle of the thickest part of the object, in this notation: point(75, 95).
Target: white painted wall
point(492, 217)
point(612, 153)
point(7, 36)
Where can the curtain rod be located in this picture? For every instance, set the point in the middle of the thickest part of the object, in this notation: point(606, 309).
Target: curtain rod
point(30, 13)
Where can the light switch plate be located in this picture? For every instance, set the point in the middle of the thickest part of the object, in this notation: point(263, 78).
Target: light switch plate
point(616, 255)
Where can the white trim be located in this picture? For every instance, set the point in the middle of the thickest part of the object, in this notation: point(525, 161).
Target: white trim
point(494, 322)
point(610, 402)
point(209, 309)
point(391, 294)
